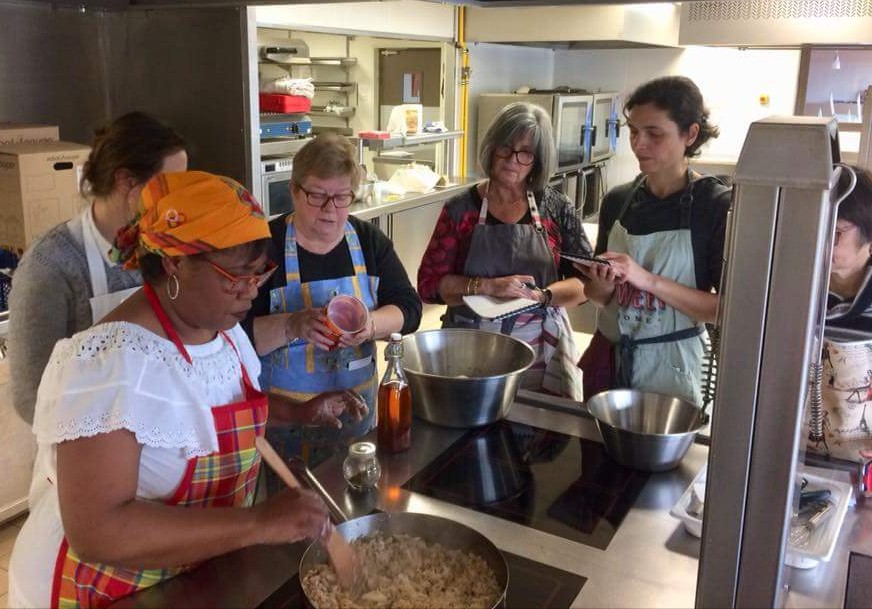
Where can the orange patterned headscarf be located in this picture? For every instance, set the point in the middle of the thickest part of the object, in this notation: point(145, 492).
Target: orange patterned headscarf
point(188, 213)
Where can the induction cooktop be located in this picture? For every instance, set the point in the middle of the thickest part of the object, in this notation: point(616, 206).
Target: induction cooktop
point(548, 481)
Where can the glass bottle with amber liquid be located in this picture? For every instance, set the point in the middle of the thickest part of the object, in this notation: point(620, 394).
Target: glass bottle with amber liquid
point(394, 401)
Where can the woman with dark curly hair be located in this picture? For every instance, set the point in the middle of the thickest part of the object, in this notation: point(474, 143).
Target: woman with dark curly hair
point(663, 236)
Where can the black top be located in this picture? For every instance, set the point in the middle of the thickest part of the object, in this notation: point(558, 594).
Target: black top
point(381, 260)
point(650, 214)
point(850, 319)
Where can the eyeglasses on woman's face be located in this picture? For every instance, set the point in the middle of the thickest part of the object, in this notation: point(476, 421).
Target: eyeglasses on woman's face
point(843, 229)
point(237, 284)
point(317, 198)
point(524, 157)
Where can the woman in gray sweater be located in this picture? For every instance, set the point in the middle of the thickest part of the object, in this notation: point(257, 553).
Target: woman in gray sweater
point(66, 282)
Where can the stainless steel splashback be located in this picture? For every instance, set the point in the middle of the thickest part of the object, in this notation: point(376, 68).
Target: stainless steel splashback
point(776, 267)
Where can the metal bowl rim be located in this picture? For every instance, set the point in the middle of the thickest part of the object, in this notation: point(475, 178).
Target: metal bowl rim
point(418, 373)
point(312, 547)
point(699, 423)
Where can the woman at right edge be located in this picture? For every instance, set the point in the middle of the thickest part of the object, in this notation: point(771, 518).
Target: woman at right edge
point(663, 235)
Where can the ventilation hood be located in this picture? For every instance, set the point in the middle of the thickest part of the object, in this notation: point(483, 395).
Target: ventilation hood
point(587, 26)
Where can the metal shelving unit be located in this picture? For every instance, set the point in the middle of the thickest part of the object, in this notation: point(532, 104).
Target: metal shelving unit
point(344, 62)
point(405, 141)
point(346, 112)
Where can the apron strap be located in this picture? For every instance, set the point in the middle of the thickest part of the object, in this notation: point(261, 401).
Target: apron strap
point(96, 268)
point(631, 196)
point(164, 320)
point(531, 203)
point(627, 349)
point(167, 326)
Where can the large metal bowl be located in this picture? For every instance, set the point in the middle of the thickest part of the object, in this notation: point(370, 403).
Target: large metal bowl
point(644, 430)
point(464, 378)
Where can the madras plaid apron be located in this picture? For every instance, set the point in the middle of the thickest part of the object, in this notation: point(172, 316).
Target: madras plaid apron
point(226, 478)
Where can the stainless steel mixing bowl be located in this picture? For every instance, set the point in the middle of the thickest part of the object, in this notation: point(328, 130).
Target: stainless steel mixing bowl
point(643, 430)
point(464, 378)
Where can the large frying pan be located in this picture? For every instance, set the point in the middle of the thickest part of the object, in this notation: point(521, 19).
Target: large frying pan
point(430, 528)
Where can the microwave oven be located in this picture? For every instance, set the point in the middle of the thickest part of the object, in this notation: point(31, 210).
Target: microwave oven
point(275, 185)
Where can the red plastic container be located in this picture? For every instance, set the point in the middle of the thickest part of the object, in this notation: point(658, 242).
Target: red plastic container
point(286, 104)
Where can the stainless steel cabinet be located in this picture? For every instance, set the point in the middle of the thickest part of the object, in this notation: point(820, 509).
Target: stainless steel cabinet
point(410, 231)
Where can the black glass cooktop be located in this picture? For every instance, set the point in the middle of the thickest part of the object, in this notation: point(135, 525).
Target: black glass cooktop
point(549, 481)
point(532, 585)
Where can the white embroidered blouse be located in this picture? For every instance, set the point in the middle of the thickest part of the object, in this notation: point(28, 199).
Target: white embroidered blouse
point(115, 376)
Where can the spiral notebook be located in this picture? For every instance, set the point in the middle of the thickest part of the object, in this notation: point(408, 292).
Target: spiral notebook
point(488, 307)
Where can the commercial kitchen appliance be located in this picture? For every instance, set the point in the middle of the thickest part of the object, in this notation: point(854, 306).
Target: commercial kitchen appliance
point(275, 178)
point(773, 292)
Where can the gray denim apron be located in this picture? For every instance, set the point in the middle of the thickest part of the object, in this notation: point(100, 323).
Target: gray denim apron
point(498, 250)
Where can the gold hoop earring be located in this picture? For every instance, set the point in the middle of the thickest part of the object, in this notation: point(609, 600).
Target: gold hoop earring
point(173, 293)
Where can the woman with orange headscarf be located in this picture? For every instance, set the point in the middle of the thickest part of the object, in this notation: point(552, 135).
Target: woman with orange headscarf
point(154, 411)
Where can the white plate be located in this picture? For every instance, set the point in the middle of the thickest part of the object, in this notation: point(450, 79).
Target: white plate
point(692, 524)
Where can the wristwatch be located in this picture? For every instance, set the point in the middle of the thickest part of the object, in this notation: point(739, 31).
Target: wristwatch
point(546, 296)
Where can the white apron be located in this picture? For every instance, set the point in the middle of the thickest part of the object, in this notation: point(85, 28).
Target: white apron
point(102, 301)
point(660, 349)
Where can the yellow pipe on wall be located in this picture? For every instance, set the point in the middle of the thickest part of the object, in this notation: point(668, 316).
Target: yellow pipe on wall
point(464, 89)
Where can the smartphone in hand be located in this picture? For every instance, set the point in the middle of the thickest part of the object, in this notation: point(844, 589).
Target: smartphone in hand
point(584, 258)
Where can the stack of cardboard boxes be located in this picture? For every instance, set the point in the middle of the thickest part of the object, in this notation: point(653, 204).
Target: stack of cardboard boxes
point(39, 182)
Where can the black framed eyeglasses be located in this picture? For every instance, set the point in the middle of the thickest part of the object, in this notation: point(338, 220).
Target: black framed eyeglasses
point(524, 157)
point(320, 199)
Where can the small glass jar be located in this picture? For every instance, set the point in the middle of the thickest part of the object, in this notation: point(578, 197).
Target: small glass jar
point(361, 468)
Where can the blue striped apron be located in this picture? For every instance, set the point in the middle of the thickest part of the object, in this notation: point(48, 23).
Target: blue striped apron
point(300, 371)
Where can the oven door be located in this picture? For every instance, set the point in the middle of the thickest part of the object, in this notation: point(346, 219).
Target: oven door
point(276, 188)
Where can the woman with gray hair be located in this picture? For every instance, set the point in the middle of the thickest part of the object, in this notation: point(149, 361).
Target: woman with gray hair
point(503, 238)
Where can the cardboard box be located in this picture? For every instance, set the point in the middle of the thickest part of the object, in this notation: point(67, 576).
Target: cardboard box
point(18, 133)
point(39, 188)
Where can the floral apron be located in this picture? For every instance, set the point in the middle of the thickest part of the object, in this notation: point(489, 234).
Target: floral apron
point(301, 372)
point(226, 478)
point(497, 250)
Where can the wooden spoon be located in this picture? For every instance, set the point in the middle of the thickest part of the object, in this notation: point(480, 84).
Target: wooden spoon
point(340, 552)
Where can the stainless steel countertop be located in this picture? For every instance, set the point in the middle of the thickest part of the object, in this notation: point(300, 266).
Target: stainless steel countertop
point(650, 562)
point(412, 200)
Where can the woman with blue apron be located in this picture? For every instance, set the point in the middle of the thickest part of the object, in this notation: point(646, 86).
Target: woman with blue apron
point(302, 371)
point(321, 252)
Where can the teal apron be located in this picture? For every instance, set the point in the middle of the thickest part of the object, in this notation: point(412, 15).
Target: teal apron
point(300, 371)
point(659, 348)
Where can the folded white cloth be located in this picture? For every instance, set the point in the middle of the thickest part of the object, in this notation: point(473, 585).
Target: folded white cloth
point(289, 86)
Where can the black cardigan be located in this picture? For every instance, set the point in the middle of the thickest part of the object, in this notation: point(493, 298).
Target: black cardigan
point(381, 261)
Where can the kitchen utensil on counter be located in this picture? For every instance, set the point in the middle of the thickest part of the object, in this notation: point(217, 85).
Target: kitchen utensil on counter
point(644, 430)
point(432, 529)
point(462, 377)
point(340, 552)
point(804, 526)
